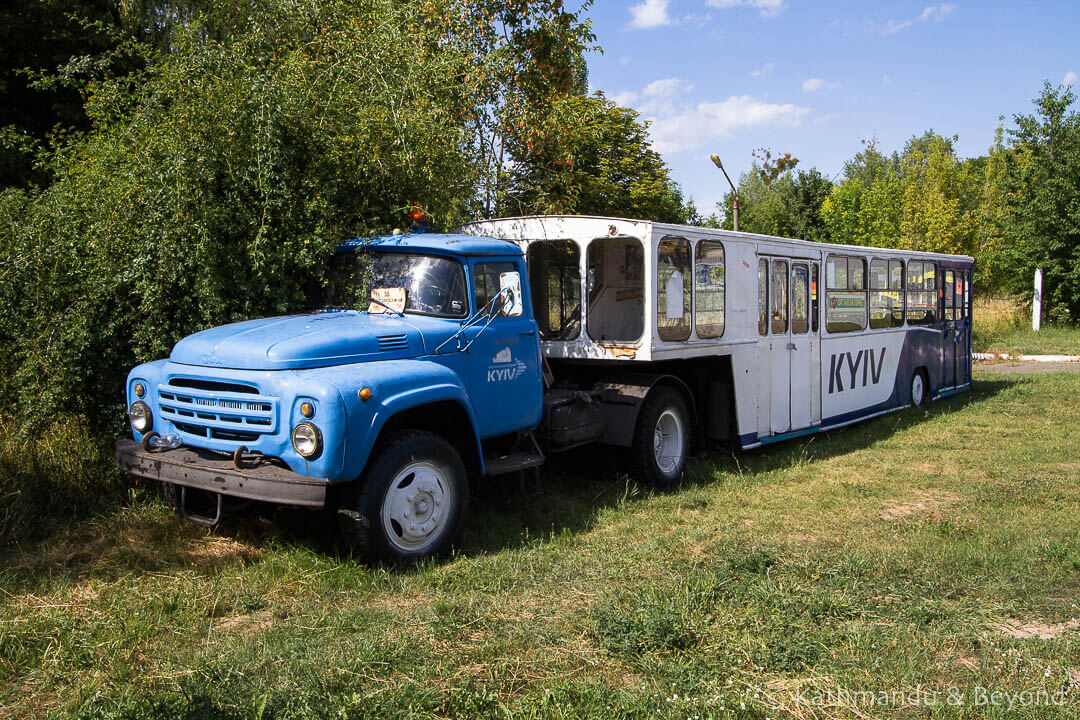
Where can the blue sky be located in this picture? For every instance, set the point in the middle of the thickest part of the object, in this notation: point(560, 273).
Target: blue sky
point(815, 78)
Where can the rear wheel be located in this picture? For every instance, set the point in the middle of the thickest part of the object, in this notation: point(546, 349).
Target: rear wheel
point(918, 389)
point(410, 503)
point(662, 437)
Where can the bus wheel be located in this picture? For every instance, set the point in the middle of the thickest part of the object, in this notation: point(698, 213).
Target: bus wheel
point(918, 389)
point(662, 437)
point(410, 503)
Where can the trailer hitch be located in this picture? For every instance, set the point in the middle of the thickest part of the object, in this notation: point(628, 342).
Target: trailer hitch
point(201, 520)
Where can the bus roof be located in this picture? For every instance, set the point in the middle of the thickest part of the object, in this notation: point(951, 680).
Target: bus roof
point(487, 225)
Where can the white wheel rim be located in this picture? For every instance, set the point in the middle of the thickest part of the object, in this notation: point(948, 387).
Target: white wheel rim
point(416, 507)
point(916, 390)
point(668, 442)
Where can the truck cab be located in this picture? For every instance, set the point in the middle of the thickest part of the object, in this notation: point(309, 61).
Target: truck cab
point(417, 363)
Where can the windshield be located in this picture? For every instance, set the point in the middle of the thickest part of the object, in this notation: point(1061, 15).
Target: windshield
point(432, 285)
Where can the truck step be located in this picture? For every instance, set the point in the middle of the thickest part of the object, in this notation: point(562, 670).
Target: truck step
point(512, 462)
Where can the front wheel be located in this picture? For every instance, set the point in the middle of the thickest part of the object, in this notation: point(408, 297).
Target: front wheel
point(410, 503)
point(662, 437)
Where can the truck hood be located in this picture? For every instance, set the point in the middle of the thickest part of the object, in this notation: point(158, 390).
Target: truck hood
point(303, 341)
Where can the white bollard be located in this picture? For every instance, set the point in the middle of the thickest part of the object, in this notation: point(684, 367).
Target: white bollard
point(1036, 302)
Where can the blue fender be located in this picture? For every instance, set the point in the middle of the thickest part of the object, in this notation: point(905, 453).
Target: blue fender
point(396, 386)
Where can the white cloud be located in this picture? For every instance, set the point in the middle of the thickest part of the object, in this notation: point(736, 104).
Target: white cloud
point(625, 98)
point(767, 8)
point(935, 13)
point(763, 70)
point(823, 120)
point(813, 84)
point(1070, 79)
point(624, 60)
point(886, 79)
point(649, 14)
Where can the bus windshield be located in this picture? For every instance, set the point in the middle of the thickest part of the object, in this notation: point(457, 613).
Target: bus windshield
point(431, 285)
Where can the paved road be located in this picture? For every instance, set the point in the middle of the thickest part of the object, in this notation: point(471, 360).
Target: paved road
point(1014, 368)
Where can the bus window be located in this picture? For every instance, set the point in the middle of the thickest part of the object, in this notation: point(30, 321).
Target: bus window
point(555, 280)
point(709, 289)
point(800, 320)
point(922, 292)
point(845, 294)
point(763, 297)
point(615, 284)
point(886, 293)
point(673, 289)
point(949, 309)
point(814, 297)
point(779, 297)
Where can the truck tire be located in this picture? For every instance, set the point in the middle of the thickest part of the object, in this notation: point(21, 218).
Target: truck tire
point(409, 504)
point(661, 438)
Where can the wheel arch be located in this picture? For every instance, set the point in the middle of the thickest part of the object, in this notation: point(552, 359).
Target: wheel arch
point(439, 405)
point(621, 398)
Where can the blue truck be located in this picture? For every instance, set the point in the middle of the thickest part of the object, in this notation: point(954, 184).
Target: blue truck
point(417, 365)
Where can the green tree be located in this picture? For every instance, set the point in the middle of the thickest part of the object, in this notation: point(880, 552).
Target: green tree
point(595, 159)
point(784, 203)
point(210, 187)
point(924, 198)
point(1040, 194)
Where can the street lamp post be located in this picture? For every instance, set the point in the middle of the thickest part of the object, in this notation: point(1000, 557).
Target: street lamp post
point(734, 192)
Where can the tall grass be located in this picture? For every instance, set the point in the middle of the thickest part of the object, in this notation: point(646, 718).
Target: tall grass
point(1003, 325)
point(994, 319)
point(49, 479)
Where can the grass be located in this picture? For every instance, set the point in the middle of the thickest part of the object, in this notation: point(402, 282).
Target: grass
point(912, 551)
point(1002, 325)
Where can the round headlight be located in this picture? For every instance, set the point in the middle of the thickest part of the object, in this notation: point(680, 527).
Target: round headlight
point(140, 389)
point(139, 414)
point(306, 439)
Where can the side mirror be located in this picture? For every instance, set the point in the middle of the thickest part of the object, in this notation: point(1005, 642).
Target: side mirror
point(510, 291)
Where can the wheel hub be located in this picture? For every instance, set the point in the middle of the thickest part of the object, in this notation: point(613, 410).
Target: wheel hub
point(668, 442)
point(413, 510)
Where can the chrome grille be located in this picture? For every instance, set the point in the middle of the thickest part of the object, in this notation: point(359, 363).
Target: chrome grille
point(207, 409)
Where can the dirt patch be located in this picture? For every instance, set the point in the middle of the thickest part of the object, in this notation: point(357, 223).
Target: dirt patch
point(969, 662)
point(1038, 630)
point(244, 624)
point(921, 503)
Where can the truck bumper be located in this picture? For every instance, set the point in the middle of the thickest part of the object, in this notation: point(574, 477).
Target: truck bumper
point(206, 470)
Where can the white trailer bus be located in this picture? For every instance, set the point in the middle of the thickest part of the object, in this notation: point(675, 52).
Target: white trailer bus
point(767, 338)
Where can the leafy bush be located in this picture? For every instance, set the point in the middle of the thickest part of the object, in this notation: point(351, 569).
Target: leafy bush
point(214, 182)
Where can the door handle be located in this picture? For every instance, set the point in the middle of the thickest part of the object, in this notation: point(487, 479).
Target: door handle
point(528, 333)
point(791, 346)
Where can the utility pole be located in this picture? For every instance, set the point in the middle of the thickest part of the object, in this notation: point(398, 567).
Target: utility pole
point(734, 192)
point(1036, 302)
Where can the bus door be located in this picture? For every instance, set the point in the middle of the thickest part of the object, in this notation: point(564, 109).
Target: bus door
point(949, 330)
point(963, 344)
point(786, 347)
point(803, 349)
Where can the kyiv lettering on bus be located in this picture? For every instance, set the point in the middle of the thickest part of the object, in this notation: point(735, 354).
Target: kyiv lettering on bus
point(871, 368)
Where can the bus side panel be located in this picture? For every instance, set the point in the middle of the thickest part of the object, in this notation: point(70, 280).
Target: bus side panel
point(871, 373)
point(745, 375)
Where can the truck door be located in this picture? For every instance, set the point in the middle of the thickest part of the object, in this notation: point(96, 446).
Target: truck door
point(506, 384)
